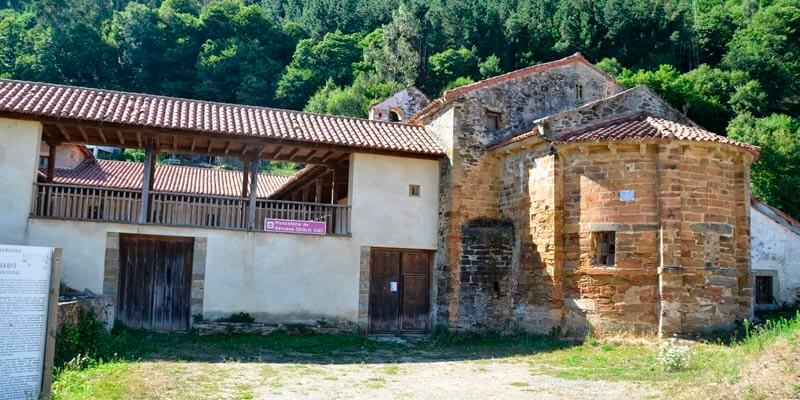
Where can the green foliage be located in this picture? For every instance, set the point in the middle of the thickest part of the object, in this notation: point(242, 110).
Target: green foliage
point(239, 317)
point(490, 66)
point(334, 100)
point(88, 339)
point(775, 176)
point(447, 66)
point(769, 49)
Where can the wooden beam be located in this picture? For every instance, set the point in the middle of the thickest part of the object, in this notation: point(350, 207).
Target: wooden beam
point(228, 147)
point(102, 135)
point(139, 139)
point(210, 145)
point(328, 157)
point(272, 155)
point(120, 138)
point(251, 216)
point(83, 134)
point(147, 178)
point(194, 141)
point(51, 162)
point(64, 132)
point(174, 142)
point(293, 153)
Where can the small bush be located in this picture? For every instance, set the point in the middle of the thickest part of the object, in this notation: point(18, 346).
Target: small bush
point(88, 339)
point(672, 356)
point(240, 317)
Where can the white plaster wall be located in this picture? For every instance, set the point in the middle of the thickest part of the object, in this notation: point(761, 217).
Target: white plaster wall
point(383, 213)
point(282, 276)
point(776, 248)
point(19, 159)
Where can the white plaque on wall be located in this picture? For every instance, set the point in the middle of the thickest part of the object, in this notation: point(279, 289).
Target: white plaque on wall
point(27, 307)
point(627, 195)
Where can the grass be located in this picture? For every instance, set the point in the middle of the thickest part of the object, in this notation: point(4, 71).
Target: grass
point(152, 365)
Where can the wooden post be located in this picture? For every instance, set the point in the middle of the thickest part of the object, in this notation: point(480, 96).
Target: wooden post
point(318, 190)
point(251, 217)
point(245, 170)
point(333, 186)
point(51, 162)
point(148, 176)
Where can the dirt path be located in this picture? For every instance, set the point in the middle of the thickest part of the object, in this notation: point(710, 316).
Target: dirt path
point(499, 378)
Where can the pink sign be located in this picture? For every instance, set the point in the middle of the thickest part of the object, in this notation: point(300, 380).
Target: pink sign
point(295, 226)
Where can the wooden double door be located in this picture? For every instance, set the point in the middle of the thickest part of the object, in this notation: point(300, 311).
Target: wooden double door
point(399, 291)
point(155, 282)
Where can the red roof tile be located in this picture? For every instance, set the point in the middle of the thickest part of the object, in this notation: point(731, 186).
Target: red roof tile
point(169, 178)
point(642, 126)
point(45, 100)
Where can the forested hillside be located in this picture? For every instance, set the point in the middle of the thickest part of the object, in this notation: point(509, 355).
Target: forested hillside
point(733, 66)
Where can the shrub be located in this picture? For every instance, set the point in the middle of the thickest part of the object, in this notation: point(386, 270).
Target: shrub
point(240, 317)
point(88, 339)
point(672, 356)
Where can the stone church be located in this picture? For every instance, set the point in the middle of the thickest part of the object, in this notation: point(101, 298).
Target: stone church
point(570, 204)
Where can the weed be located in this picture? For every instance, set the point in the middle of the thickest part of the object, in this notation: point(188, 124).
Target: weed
point(240, 317)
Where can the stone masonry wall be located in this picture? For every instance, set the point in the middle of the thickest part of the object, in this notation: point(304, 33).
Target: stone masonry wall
point(622, 297)
point(529, 198)
point(485, 274)
point(470, 182)
point(705, 279)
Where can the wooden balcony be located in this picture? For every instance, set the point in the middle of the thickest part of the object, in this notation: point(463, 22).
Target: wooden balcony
point(86, 203)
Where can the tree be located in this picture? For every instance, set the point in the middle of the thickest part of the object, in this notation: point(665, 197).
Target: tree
point(769, 49)
point(775, 176)
point(334, 100)
point(490, 66)
point(242, 55)
point(394, 52)
point(316, 61)
point(448, 65)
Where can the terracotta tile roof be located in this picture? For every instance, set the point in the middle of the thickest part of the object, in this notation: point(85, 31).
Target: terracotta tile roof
point(69, 103)
point(776, 215)
point(538, 68)
point(169, 178)
point(638, 127)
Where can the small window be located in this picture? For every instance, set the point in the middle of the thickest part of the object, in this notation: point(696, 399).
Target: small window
point(579, 91)
point(764, 290)
point(413, 190)
point(492, 120)
point(394, 116)
point(604, 248)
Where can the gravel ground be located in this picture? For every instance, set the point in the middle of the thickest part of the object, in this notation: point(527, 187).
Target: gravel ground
point(465, 380)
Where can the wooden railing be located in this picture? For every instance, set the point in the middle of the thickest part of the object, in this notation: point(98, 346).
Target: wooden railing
point(175, 209)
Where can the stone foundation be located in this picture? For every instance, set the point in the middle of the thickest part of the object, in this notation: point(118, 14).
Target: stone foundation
point(262, 328)
point(103, 308)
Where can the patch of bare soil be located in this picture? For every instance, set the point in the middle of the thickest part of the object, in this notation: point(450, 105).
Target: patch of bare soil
point(775, 374)
point(438, 380)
